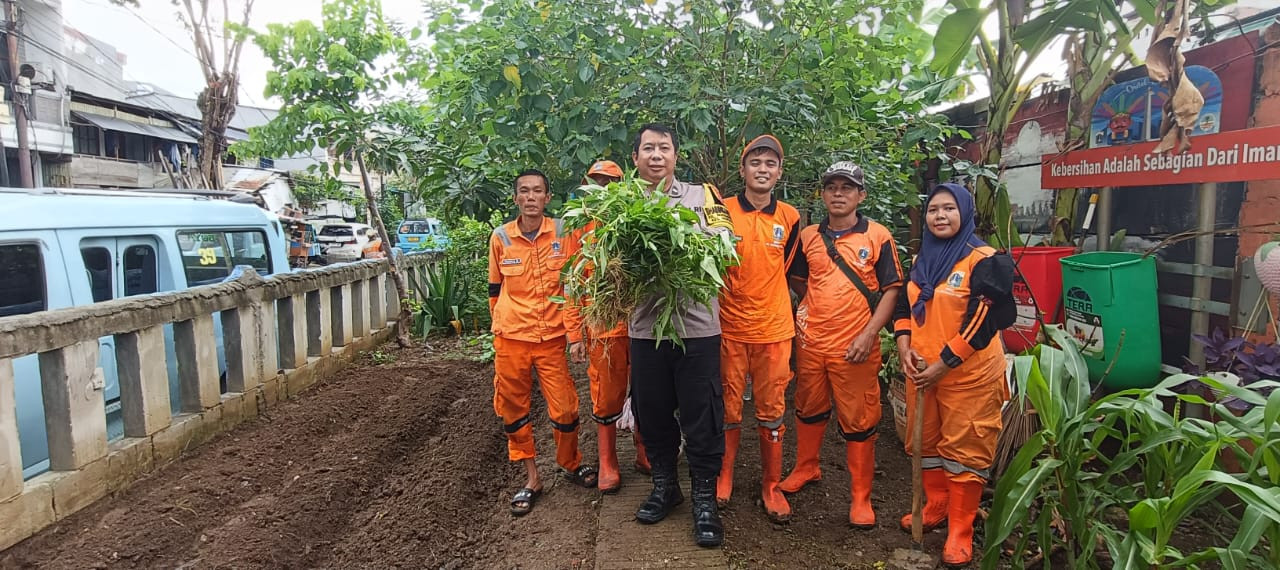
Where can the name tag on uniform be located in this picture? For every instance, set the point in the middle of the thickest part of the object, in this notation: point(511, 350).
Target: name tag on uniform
point(511, 261)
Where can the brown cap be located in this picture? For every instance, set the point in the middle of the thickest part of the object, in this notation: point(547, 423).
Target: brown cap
point(762, 141)
point(846, 170)
point(606, 168)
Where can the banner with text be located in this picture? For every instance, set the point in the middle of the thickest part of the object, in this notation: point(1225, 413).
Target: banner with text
point(1232, 156)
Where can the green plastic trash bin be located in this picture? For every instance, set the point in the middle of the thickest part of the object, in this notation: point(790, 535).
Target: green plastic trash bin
point(1110, 296)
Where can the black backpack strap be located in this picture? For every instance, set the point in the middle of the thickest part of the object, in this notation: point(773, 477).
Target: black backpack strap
point(872, 298)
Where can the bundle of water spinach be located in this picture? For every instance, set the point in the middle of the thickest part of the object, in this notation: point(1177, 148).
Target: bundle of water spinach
point(638, 244)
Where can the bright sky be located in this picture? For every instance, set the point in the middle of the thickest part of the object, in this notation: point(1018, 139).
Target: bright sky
point(159, 50)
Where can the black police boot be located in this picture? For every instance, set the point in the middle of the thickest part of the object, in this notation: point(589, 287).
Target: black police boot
point(707, 528)
point(665, 495)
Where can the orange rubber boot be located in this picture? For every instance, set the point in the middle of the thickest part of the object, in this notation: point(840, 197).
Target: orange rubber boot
point(965, 497)
point(642, 460)
point(724, 483)
point(808, 443)
point(606, 439)
point(775, 503)
point(861, 458)
point(935, 505)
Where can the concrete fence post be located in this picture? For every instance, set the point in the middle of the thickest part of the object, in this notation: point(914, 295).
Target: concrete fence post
point(393, 299)
point(144, 381)
point(10, 450)
point(319, 323)
point(291, 314)
point(264, 322)
point(240, 343)
point(197, 352)
point(71, 384)
point(377, 302)
point(359, 309)
point(340, 305)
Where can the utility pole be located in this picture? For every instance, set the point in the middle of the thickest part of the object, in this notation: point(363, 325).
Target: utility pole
point(19, 98)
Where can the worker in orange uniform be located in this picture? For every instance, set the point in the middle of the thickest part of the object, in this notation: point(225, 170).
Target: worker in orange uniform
point(756, 320)
point(525, 258)
point(607, 354)
point(958, 298)
point(847, 273)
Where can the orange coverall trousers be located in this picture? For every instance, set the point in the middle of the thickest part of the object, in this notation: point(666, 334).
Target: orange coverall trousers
point(855, 387)
point(609, 371)
point(514, 363)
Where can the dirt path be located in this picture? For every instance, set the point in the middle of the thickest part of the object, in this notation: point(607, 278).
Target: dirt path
point(404, 465)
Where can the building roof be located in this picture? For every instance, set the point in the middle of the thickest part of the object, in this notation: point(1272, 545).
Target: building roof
point(244, 118)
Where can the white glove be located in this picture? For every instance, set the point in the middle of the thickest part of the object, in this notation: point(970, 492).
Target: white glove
point(627, 421)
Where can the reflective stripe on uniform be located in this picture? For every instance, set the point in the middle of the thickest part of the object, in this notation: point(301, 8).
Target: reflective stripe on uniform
point(516, 425)
point(774, 424)
point(606, 420)
point(958, 468)
point(859, 435)
point(565, 427)
point(819, 418)
point(502, 235)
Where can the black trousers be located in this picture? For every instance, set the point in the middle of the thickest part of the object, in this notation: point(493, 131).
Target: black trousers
point(666, 379)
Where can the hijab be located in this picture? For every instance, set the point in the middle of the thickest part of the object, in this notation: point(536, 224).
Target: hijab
point(938, 256)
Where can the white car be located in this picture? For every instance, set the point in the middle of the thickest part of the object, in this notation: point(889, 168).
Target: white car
point(349, 242)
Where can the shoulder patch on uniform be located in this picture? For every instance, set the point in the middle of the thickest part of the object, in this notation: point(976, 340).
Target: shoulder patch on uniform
point(712, 190)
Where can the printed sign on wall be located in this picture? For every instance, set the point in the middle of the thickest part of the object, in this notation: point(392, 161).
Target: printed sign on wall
point(1131, 112)
point(1231, 156)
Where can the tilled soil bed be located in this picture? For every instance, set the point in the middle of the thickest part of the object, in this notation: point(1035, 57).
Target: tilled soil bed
point(403, 464)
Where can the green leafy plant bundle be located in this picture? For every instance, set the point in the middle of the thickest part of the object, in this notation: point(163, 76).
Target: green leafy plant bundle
point(637, 245)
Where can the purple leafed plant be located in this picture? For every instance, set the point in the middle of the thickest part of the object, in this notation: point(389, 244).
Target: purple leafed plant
point(1251, 362)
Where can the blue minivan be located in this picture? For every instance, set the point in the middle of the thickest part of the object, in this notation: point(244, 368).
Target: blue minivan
point(63, 248)
point(421, 235)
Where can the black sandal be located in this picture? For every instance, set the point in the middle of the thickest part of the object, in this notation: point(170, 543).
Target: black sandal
point(526, 496)
point(584, 475)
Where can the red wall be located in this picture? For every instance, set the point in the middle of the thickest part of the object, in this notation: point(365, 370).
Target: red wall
point(1262, 198)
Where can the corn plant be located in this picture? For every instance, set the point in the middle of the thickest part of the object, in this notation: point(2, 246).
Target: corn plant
point(638, 245)
point(442, 297)
point(1121, 473)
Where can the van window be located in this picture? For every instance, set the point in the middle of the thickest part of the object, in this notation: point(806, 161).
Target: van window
point(208, 256)
point(415, 228)
point(21, 279)
point(139, 270)
point(336, 231)
point(97, 266)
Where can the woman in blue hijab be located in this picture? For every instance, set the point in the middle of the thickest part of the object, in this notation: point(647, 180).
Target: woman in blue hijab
point(947, 327)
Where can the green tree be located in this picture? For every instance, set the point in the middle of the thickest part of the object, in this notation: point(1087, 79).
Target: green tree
point(333, 80)
point(557, 85)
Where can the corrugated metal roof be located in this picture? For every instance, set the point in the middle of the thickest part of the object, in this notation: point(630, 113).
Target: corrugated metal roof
point(145, 129)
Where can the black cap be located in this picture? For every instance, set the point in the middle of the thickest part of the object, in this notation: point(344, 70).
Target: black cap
point(847, 170)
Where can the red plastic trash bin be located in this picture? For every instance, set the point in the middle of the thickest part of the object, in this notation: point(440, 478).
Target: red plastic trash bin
point(1037, 289)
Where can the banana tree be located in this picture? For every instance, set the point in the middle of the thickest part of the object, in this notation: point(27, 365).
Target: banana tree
point(1099, 38)
point(1093, 57)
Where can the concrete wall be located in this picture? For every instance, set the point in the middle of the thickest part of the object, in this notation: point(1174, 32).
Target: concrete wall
point(280, 335)
point(1262, 197)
